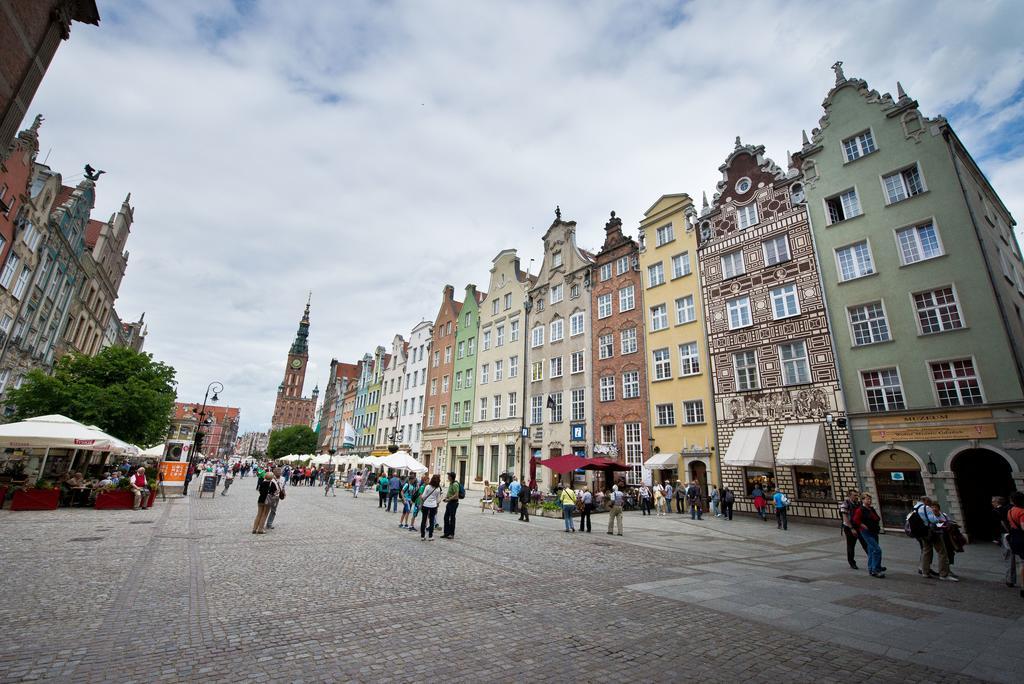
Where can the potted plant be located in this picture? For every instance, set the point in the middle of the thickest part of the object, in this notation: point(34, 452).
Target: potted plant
point(117, 496)
point(551, 509)
point(42, 496)
point(154, 489)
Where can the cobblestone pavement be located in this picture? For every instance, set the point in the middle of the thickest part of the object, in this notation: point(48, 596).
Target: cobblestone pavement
point(338, 592)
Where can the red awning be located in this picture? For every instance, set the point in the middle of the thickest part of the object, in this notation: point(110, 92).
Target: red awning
point(604, 464)
point(566, 463)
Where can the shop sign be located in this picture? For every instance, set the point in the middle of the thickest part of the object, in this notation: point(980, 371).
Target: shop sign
point(896, 476)
point(578, 433)
point(173, 472)
point(941, 417)
point(935, 432)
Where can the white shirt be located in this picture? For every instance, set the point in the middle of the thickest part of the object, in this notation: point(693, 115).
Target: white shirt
point(431, 497)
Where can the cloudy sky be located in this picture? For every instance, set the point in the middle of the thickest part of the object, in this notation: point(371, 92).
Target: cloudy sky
point(373, 151)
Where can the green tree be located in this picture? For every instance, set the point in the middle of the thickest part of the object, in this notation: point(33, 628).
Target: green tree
point(123, 392)
point(296, 439)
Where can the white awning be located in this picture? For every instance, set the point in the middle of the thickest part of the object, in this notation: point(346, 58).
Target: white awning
point(750, 448)
point(803, 445)
point(662, 462)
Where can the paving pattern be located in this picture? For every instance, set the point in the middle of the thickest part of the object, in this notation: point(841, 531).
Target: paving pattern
point(337, 592)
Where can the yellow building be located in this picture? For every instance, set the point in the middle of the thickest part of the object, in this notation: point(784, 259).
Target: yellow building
point(682, 419)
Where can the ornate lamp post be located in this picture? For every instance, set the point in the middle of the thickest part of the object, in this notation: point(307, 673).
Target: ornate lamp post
point(197, 438)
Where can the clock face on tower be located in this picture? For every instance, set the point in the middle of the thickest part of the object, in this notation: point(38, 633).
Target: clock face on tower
point(296, 363)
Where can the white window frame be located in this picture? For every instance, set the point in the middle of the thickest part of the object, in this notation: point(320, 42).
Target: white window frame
point(729, 261)
point(631, 382)
point(915, 229)
point(852, 324)
point(956, 301)
point(555, 367)
point(604, 306)
point(686, 305)
point(935, 389)
point(785, 294)
point(669, 418)
point(605, 272)
point(577, 324)
point(784, 237)
point(662, 367)
point(747, 216)
point(663, 238)
point(696, 404)
point(537, 336)
point(557, 293)
point(861, 150)
point(903, 186)
point(576, 362)
point(745, 300)
point(655, 274)
point(632, 339)
point(857, 276)
point(556, 331)
point(659, 313)
point(885, 400)
point(577, 404)
point(627, 298)
point(795, 361)
point(681, 265)
point(689, 364)
point(606, 385)
point(736, 371)
point(830, 219)
point(604, 342)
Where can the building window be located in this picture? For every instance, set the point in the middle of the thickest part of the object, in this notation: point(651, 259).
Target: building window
point(937, 311)
point(732, 264)
point(693, 411)
point(471, 346)
point(9, 268)
point(665, 414)
point(576, 324)
point(607, 385)
point(605, 272)
point(655, 274)
point(685, 311)
point(498, 367)
point(631, 384)
point(608, 434)
point(461, 350)
point(746, 216)
point(555, 406)
point(537, 338)
point(494, 308)
point(628, 341)
point(634, 453)
point(882, 390)
point(627, 298)
point(537, 371)
point(23, 278)
point(918, 243)
point(902, 185)
point(444, 415)
point(513, 404)
point(557, 330)
point(469, 377)
point(458, 380)
point(605, 346)
point(681, 265)
point(430, 417)
point(659, 317)
point(739, 312)
point(689, 359)
point(447, 354)
point(795, 369)
point(858, 145)
point(433, 387)
point(556, 259)
point(664, 234)
point(745, 365)
point(456, 415)
point(576, 362)
point(662, 364)
point(556, 294)
point(536, 409)
point(579, 404)
point(843, 206)
point(496, 412)
point(784, 301)
point(556, 366)
point(513, 366)
point(604, 306)
point(444, 385)
point(485, 373)
point(854, 261)
point(776, 250)
point(540, 304)
point(956, 382)
point(485, 343)
point(868, 324)
point(513, 331)
point(499, 336)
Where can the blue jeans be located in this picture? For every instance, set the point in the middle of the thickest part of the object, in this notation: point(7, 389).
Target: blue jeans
point(874, 552)
point(567, 510)
point(392, 501)
point(695, 511)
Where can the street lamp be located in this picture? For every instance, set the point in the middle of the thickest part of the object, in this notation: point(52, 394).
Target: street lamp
point(197, 438)
point(932, 468)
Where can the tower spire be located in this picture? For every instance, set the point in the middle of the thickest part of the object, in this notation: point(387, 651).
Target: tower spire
point(301, 345)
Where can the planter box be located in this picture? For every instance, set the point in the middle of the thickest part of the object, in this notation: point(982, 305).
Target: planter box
point(114, 499)
point(152, 498)
point(550, 514)
point(3, 495)
point(35, 500)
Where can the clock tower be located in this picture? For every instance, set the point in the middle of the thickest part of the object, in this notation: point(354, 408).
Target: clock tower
point(291, 408)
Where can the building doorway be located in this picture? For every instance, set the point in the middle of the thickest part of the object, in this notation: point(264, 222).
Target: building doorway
point(980, 474)
point(699, 473)
point(899, 484)
point(463, 463)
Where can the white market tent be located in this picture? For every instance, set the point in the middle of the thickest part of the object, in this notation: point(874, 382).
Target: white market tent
point(154, 451)
point(403, 460)
point(59, 432)
point(351, 459)
point(322, 459)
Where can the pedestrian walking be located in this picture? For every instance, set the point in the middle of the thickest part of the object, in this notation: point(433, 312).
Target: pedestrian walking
point(932, 543)
point(567, 498)
point(229, 478)
point(262, 507)
point(406, 494)
point(382, 492)
point(430, 499)
point(716, 498)
point(499, 497)
point(488, 497)
point(659, 499)
point(645, 499)
point(615, 502)
point(850, 532)
point(329, 480)
point(587, 500)
point(693, 500)
point(868, 525)
point(728, 498)
point(357, 480)
point(415, 500)
point(275, 497)
point(451, 506)
point(781, 502)
point(394, 489)
point(680, 498)
point(760, 502)
point(1000, 511)
point(524, 503)
point(1015, 531)
point(514, 487)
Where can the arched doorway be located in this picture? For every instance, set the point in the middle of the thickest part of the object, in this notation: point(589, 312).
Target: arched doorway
point(899, 484)
point(980, 474)
point(699, 473)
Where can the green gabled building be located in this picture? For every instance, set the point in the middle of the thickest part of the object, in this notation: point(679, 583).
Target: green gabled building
point(464, 383)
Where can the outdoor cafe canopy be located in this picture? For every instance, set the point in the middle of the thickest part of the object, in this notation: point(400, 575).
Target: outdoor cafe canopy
point(60, 432)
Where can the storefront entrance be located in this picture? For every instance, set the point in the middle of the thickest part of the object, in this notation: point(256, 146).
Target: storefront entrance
point(980, 475)
point(699, 472)
point(899, 484)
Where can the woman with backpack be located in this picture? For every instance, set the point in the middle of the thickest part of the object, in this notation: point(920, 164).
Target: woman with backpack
point(781, 509)
point(1015, 531)
point(727, 500)
point(760, 502)
point(868, 524)
point(429, 501)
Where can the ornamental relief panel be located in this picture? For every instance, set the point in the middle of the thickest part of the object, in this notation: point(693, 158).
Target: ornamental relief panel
point(780, 405)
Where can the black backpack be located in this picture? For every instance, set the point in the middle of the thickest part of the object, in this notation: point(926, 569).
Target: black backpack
point(462, 491)
point(728, 497)
point(915, 526)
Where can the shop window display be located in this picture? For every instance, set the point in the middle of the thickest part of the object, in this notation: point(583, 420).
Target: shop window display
point(765, 478)
point(813, 484)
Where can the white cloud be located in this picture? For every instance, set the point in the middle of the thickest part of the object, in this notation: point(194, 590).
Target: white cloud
point(373, 152)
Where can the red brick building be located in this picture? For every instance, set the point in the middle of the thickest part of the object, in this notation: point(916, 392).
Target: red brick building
point(30, 32)
point(219, 431)
point(342, 377)
point(618, 352)
point(440, 368)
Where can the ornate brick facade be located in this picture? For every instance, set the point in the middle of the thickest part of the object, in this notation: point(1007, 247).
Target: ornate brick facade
point(768, 336)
